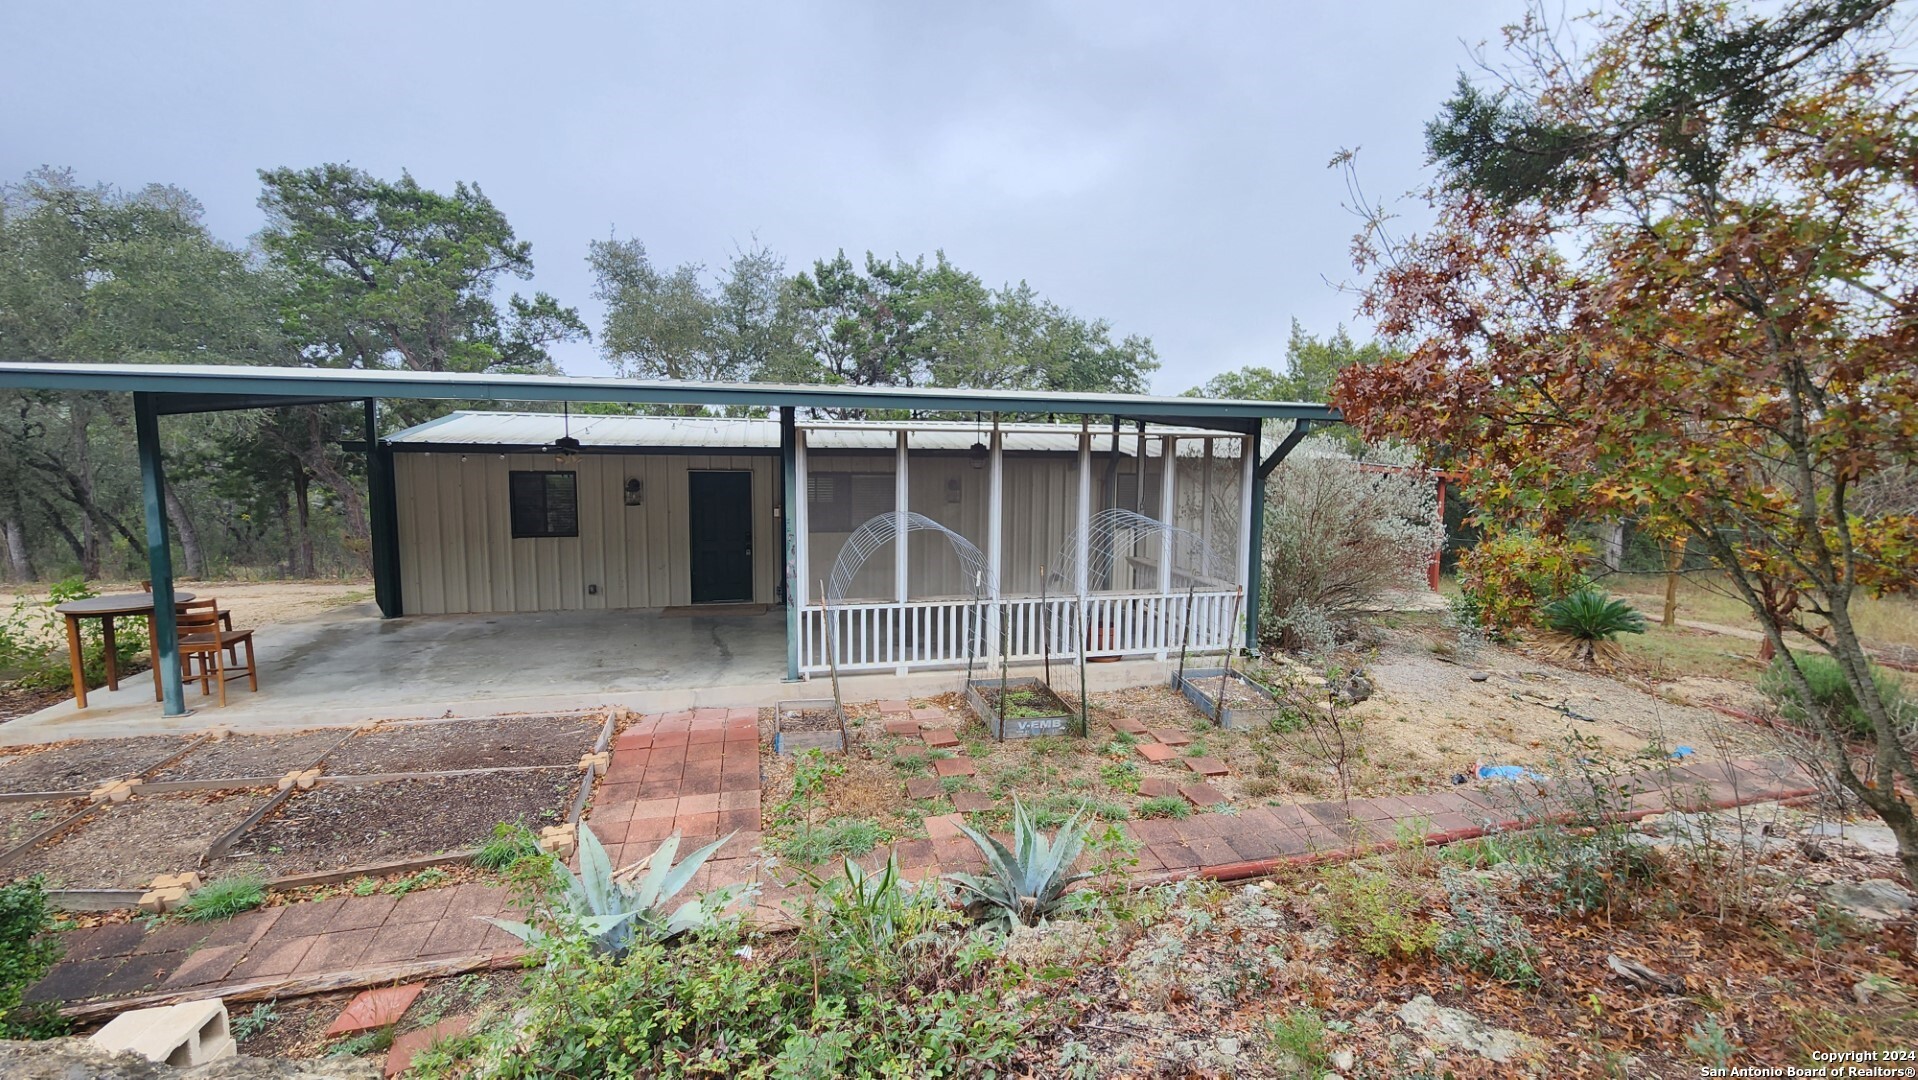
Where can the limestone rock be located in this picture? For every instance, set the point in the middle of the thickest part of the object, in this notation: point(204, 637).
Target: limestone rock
point(1457, 1028)
point(78, 1059)
point(1875, 900)
point(1877, 839)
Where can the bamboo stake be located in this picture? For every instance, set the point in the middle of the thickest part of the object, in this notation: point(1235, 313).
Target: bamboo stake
point(1185, 640)
point(1005, 662)
point(1225, 673)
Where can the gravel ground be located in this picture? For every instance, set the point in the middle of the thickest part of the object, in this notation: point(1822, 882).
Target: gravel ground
point(127, 845)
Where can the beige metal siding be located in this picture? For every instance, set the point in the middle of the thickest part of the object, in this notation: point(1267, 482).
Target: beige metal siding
point(457, 554)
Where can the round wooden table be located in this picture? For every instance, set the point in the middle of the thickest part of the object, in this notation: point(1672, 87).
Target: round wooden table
point(107, 609)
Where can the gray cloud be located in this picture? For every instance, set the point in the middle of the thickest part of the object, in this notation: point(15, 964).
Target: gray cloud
point(1162, 166)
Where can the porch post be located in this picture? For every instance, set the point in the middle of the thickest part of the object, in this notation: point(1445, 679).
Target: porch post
point(789, 495)
point(1168, 509)
point(382, 513)
point(995, 527)
point(166, 641)
point(1083, 554)
point(800, 513)
point(1251, 530)
point(1255, 587)
point(900, 584)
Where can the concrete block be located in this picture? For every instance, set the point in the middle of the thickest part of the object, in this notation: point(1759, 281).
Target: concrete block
point(190, 881)
point(191, 1033)
point(598, 763)
point(161, 901)
point(307, 779)
point(117, 791)
point(290, 779)
point(560, 840)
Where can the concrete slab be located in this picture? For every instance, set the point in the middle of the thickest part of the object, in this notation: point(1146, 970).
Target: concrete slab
point(347, 667)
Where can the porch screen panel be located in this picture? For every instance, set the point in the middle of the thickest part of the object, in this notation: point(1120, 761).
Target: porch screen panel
point(1206, 491)
point(844, 490)
point(1125, 554)
point(1041, 513)
point(949, 487)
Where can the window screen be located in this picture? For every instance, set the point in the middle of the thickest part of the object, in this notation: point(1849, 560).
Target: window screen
point(843, 501)
point(545, 504)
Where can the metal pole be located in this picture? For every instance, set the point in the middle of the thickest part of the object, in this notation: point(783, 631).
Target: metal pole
point(166, 640)
point(790, 495)
point(1185, 640)
point(832, 653)
point(1085, 716)
point(1005, 663)
point(1045, 630)
point(1225, 671)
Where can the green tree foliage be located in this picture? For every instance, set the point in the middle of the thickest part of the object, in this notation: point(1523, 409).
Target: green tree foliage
point(27, 952)
point(1310, 366)
point(887, 323)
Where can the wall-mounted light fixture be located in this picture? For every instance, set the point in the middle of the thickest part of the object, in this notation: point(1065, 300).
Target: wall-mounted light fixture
point(635, 491)
point(952, 489)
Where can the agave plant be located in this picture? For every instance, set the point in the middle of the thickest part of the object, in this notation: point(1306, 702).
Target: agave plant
point(1028, 883)
point(615, 910)
point(1591, 620)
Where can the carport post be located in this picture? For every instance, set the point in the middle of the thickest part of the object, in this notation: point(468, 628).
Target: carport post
point(789, 466)
point(1255, 565)
point(166, 641)
point(382, 514)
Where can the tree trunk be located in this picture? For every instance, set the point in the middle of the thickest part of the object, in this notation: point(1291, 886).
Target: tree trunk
point(318, 462)
point(1614, 540)
point(79, 469)
point(19, 558)
point(302, 509)
point(282, 511)
point(192, 559)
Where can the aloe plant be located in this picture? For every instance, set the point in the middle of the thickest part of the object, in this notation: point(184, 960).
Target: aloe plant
point(1029, 882)
point(615, 910)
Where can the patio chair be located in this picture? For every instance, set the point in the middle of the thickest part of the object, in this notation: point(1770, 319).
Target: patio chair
point(204, 641)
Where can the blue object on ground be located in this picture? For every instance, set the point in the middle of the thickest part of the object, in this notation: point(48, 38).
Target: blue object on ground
point(1683, 752)
point(1507, 772)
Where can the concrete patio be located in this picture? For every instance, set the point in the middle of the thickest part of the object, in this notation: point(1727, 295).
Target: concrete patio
point(348, 666)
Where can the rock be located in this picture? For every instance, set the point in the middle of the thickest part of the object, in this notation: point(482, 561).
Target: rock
point(1447, 1026)
point(78, 1059)
point(1877, 839)
point(1343, 1060)
point(1875, 900)
point(1353, 690)
point(1228, 1046)
point(1479, 676)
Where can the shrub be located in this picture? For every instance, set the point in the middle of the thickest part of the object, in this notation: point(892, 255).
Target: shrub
point(1591, 620)
point(224, 899)
point(1380, 914)
point(33, 648)
point(1027, 883)
point(510, 842)
point(1484, 936)
point(1298, 1042)
point(1508, 575)
point(1339, 536)
point(27, 952)
point(1832, 701)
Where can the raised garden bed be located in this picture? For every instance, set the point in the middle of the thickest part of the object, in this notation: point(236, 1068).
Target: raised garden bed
point(809, 725)
point(1248, 706)
point(340, 825)
point(1031, 708)
point(126, 845)
point(84, 765)
point(449, 745)
point(251, 756)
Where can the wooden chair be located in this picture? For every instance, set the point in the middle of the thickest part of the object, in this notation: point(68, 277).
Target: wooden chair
point(226, 618)
point(205, 641)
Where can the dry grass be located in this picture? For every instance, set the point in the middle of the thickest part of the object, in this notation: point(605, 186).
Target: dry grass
point(1886, 622)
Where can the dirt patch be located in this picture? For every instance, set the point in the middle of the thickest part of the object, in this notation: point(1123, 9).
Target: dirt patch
point(16, 702)
point(239, 756)
point(809, 720)
point(19, 820)
point(1022, 702)
point(126, 845)
point(335, 826)
point(84, 765)
point(442, 746)
point(297, 1029)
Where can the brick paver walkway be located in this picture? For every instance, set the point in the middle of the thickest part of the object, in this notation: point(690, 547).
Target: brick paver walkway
point(696, 773)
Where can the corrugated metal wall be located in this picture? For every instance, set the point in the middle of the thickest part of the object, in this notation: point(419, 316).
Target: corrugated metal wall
point(457, 554)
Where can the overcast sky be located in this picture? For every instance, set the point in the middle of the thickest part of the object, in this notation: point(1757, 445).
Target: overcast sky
point(1158, 165)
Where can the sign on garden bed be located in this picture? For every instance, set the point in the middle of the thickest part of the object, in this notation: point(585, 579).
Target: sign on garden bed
point(1030, 707)
point(1248, 706)
point(811, 724)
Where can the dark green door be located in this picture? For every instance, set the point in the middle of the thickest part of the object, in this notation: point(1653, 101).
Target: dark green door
point(720, 510)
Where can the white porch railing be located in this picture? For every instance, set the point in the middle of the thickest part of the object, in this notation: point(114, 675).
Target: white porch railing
point(883, 635)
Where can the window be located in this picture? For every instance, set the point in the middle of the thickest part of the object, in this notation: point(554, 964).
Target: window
point(839, 502)
point(545, 504)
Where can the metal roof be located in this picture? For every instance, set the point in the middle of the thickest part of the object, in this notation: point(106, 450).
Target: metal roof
point(206, 387)
point(472, 428)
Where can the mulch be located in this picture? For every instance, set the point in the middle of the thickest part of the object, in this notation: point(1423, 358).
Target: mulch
point(84, 765)
point(19, 820)
point(252, 756)
point(444, 746)
point(337, 826)
point(127, 845)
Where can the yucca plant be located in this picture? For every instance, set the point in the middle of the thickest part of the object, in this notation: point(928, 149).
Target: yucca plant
point(1028, 883)
point(615, 910)
point(1589, 622)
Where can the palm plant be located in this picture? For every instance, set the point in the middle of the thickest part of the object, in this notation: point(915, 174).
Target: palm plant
point(613, 911)
point(1028, 883)
point(1590, 622)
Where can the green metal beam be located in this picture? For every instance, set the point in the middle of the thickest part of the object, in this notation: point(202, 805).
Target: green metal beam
point(790, 494)
point(382, 517)
point(166, 639)
point(212, 386)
